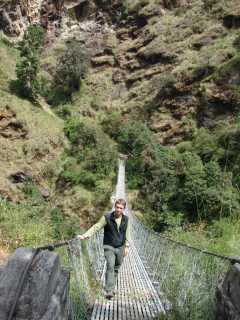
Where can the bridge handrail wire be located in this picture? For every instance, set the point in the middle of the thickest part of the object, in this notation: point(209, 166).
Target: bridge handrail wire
point(94, 250)
point(185, 278)
point(230, 259)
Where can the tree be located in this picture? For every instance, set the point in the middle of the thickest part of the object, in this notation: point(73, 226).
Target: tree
point(70, 70)
point(27, 69)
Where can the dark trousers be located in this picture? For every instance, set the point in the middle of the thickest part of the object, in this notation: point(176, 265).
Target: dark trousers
point(114, 259)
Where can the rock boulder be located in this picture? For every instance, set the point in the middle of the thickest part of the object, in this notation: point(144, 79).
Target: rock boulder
point(228, 296)
point(44, 294)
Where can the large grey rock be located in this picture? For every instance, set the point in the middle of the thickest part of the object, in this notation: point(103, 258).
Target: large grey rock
point(228, 296)
point(45, 292)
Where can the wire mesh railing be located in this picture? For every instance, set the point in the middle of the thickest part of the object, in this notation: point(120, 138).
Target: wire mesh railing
point(186, 278)
point(85, 260)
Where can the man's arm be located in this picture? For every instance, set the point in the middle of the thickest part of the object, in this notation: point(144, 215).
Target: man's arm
point(127, 243)
point(128, 234)
point(94, 229)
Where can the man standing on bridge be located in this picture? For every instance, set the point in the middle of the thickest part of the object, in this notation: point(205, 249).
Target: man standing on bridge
point(115, 242)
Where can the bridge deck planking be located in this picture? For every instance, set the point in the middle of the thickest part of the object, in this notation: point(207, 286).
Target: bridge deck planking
point(135, 289)
point(115, 304)
point(136, 298)
point(126, 290)
point(150, 298)
point(121, 299)
point(129, 310)
point(158, 306)
point(141, 290)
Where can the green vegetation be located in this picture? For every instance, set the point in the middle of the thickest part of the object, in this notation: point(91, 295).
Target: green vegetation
point(33, 222)
point(188, 190)
point(71, 68)
point(84, 172)
point(196, 182)
point(189, 285)
point(9, 55)
point(91, 159)
point(27, 69)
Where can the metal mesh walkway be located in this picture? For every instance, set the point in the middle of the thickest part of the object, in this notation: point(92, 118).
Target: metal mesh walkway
point(136, 297)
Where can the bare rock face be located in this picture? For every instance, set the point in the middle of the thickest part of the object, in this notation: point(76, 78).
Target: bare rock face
point(228, 296)
point(10, 127)
point(16, 15)
point(45, 291)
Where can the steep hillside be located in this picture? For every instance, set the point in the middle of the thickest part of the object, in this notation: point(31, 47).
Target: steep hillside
point(160, 82)
point(30, 138)
point(163, 62)
point(41, 197)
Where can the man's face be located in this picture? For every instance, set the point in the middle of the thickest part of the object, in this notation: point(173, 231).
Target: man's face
point(119, 208)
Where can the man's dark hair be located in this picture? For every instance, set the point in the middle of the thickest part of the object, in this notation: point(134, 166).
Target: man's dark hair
point(120, 201)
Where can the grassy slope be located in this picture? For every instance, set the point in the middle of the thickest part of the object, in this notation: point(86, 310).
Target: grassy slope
point(25, 223)
point(45, 132)
point(31, 221)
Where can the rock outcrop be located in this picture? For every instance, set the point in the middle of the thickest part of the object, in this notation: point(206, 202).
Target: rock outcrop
point(171, 63)
point(16, 15)
point(228, 296)
point(163, 60)
point(158, 58)
point(45, 291)
point(25, 152)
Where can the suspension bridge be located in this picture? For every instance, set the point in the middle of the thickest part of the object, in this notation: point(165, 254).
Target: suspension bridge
point(136, 297)
point(159, 279)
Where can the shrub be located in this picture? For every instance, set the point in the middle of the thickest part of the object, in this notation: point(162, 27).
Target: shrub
point(27, 69)
point(81, 133)
point(70, 70)
point(206, 145)
point(237, 42)
point(134, 139)
point(112, 123)
point(191, 179)
point(93, 154)
point(63, 227)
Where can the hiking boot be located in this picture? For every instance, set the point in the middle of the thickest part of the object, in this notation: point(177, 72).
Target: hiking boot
point(109, 295)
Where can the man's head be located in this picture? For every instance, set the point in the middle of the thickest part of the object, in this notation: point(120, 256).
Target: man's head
point(120, 205)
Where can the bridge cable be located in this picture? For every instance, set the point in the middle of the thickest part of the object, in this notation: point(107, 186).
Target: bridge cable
point(231, 259)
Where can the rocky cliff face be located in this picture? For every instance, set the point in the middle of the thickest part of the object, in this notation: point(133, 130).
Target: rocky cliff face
point(173, 64)
point(160, 61)
point(16, 15)
point(157, 59)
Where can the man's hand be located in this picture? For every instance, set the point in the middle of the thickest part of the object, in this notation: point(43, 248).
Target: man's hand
point(126, 251)
point(80, 237)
